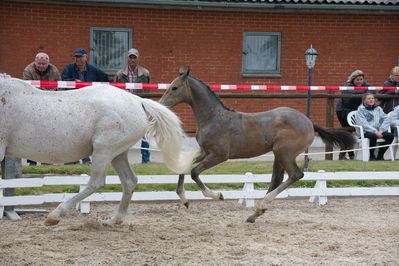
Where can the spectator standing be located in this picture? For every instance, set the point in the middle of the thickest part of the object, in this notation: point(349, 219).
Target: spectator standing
point(393, 81)
point(80, 70)
point(41, 69)
point(375, 124)
point(346, 105)
point(135, 73)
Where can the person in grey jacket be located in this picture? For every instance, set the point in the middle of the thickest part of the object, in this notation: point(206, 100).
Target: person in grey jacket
point(375, 124)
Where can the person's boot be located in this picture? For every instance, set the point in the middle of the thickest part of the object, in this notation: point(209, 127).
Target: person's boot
point(342, 156)
point(372, 158)
point(380, 156)
point(86, 160)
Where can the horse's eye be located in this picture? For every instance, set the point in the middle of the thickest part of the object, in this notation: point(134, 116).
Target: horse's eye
point(174, 88)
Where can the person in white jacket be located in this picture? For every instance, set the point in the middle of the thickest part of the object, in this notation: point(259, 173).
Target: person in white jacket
point(375, 124)
point(395, 117)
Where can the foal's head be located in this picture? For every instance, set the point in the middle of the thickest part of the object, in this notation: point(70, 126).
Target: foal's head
point(178, 91)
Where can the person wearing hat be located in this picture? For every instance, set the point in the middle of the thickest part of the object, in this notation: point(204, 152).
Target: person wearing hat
point(346, 105)
point(134, 73)
point(80, 70)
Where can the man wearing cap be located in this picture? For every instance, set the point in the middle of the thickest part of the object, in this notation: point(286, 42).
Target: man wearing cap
point(80, 70)
point(135, 73)
point(41, 69)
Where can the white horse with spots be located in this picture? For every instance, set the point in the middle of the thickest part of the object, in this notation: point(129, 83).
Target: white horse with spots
point(101, 120)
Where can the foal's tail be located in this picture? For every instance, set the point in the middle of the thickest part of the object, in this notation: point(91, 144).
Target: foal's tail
point(165, 128)
point(336, 137)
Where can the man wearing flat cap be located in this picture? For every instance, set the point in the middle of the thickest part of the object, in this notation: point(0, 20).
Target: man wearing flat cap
point(134, 73)
point(80, 70)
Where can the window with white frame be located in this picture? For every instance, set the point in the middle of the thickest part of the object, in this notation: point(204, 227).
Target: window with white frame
point(109, 47)
point(261, 54)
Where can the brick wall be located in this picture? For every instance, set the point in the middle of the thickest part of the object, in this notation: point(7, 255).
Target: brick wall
point(210, 42)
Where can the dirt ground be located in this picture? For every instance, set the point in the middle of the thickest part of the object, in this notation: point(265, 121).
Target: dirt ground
point(346, 231)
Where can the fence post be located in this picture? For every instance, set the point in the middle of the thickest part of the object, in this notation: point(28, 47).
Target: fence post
point(11, 168)
point(248, 186)
point(83, 206)
point(330, 123)
point(320, 184)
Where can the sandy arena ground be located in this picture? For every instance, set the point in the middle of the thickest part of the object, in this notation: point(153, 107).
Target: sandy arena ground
point(346, 231)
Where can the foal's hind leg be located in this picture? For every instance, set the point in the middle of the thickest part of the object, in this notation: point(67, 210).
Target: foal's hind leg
point(294, 174)
point(96, 182)
point(128, 181)
point(277, 176)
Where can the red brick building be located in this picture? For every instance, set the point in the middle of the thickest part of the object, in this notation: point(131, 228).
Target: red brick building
point(224, 42)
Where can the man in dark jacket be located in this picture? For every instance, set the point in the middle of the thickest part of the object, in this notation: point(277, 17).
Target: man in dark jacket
point(346, 105)
point(393, 81)
point(80, 70)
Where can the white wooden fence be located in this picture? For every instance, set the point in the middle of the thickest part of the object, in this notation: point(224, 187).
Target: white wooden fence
point(246, 195)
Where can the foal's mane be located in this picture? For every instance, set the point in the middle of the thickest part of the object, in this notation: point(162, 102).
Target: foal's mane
point(213, 93)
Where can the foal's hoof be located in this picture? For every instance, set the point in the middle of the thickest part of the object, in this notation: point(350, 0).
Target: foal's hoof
point(187, 204)
point(221, 196)
point(112, 222)
point(51, 221)
point(251, 219)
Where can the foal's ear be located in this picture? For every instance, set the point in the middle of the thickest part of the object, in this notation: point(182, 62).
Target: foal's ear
point(184, 73)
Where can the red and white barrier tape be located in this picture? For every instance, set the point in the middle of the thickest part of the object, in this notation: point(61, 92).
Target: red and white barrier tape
point(160, 86)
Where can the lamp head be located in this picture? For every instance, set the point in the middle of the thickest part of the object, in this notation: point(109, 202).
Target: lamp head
point(311, 55)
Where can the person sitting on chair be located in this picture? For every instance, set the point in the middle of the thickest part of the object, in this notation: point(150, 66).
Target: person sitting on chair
point(375, 124)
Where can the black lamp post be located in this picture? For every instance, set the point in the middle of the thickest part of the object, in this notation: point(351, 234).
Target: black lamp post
point(310, 55)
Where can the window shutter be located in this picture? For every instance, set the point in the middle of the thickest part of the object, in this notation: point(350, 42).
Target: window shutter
point(109, 47)
point(261, 53)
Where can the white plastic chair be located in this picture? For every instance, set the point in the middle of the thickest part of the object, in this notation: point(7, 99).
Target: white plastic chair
point(364, 142)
